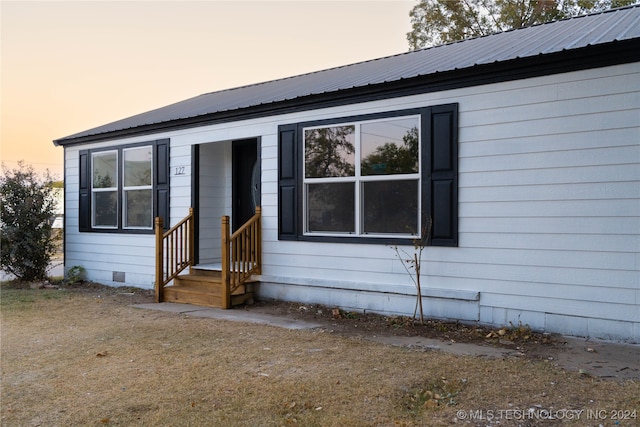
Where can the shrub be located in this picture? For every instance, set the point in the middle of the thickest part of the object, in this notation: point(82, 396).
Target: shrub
point(27, 206)
point(76, 274)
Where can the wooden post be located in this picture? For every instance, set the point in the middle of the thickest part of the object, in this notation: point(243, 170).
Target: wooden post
point(159, 260)
point(226, 271)
point(258, 240)
point(191, 237)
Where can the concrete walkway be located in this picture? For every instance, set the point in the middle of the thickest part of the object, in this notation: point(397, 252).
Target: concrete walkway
point(233, 315)
point(594, 358)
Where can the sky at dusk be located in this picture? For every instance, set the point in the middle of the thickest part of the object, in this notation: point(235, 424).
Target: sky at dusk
point(70, 66)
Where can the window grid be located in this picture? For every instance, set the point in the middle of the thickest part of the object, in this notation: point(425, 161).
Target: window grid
point(137, 188)
point(359, 180)
point(98, 190)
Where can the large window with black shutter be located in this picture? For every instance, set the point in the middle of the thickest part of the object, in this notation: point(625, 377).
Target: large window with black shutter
point(384, 178)
point(122, 189)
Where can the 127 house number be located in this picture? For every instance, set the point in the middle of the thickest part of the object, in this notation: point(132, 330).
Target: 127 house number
point(180, 170)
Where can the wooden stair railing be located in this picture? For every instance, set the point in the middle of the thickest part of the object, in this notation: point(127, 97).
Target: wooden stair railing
point(241, 254)
point(174, 251)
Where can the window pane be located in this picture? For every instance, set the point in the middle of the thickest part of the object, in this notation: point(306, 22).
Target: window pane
point(329, 152)
point(137, 166)
point(390, 207)
point(105, 169)
point(105, 209)
point(390, 147)
point(331, 207)
point(138, 208)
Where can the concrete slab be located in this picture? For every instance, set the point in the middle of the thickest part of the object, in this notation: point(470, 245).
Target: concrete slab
point(232, 315)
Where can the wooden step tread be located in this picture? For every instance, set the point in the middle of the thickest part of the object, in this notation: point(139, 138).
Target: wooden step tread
point(191, 296)
point(192, 290)
point(195, 278)
point(207, 298)
point(205, 285)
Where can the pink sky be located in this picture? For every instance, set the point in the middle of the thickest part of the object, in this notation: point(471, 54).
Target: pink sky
point(71, 66)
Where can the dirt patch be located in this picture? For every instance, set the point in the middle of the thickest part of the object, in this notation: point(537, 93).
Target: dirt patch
point(587, 357)
point(354, 323)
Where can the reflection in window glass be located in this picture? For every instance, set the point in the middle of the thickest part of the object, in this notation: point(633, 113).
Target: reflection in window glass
point(104, 188)
point(389, 147)
point(329, 152)
point(362, 178)
point(390, 207)
point(137, 166)
point(105, 166)
point(138, 209)
point(331, 207)
point(137, 189)
point(105, 209)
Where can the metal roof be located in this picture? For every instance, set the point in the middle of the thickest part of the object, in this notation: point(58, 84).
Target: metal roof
point(554, 37)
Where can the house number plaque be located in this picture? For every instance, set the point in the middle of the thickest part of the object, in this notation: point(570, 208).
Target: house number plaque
point(181, 170)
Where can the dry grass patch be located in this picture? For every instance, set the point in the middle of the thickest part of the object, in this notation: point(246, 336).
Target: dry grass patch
point(89, 358)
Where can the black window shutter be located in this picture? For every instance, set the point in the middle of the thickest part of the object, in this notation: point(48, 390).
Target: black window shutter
point(84, 206)
point(162, 181)
point(441, 186)
point(287, 182)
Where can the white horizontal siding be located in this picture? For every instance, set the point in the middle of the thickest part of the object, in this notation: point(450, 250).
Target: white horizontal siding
point(549, 202)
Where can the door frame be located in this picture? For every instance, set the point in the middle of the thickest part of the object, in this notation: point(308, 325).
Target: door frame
point(243, 144)
point(245, 153)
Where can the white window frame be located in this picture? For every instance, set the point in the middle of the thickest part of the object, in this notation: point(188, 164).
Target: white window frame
point(359, 180)
point(126, 189)
point(103, 190)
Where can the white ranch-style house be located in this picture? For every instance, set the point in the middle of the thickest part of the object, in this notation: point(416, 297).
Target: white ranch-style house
point(521, 149)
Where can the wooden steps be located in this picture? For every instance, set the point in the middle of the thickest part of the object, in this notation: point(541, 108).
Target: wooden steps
point(203, 286)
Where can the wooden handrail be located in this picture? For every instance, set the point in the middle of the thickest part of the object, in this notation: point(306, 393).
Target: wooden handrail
point(174, 251)
point(241, 254)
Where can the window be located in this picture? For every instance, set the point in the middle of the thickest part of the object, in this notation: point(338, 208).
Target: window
point(137, 188)
point(356, 175)
point(104, 189)
point(122, 189)
point(375, 178)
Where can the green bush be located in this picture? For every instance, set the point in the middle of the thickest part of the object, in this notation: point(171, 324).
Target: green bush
point(27, 206)
point(76, 274)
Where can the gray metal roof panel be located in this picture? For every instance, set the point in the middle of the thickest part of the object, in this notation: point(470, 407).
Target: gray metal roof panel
point(574, 33)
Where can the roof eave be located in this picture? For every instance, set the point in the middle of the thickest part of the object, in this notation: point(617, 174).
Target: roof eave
point(614, 53)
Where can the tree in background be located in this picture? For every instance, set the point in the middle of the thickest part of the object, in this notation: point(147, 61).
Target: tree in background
point(435, 22)
point(27, 206)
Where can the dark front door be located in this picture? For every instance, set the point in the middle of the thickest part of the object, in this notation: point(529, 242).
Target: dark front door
point(246, 180)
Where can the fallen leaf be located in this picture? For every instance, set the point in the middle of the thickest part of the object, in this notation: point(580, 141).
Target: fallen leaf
point(431, 403)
